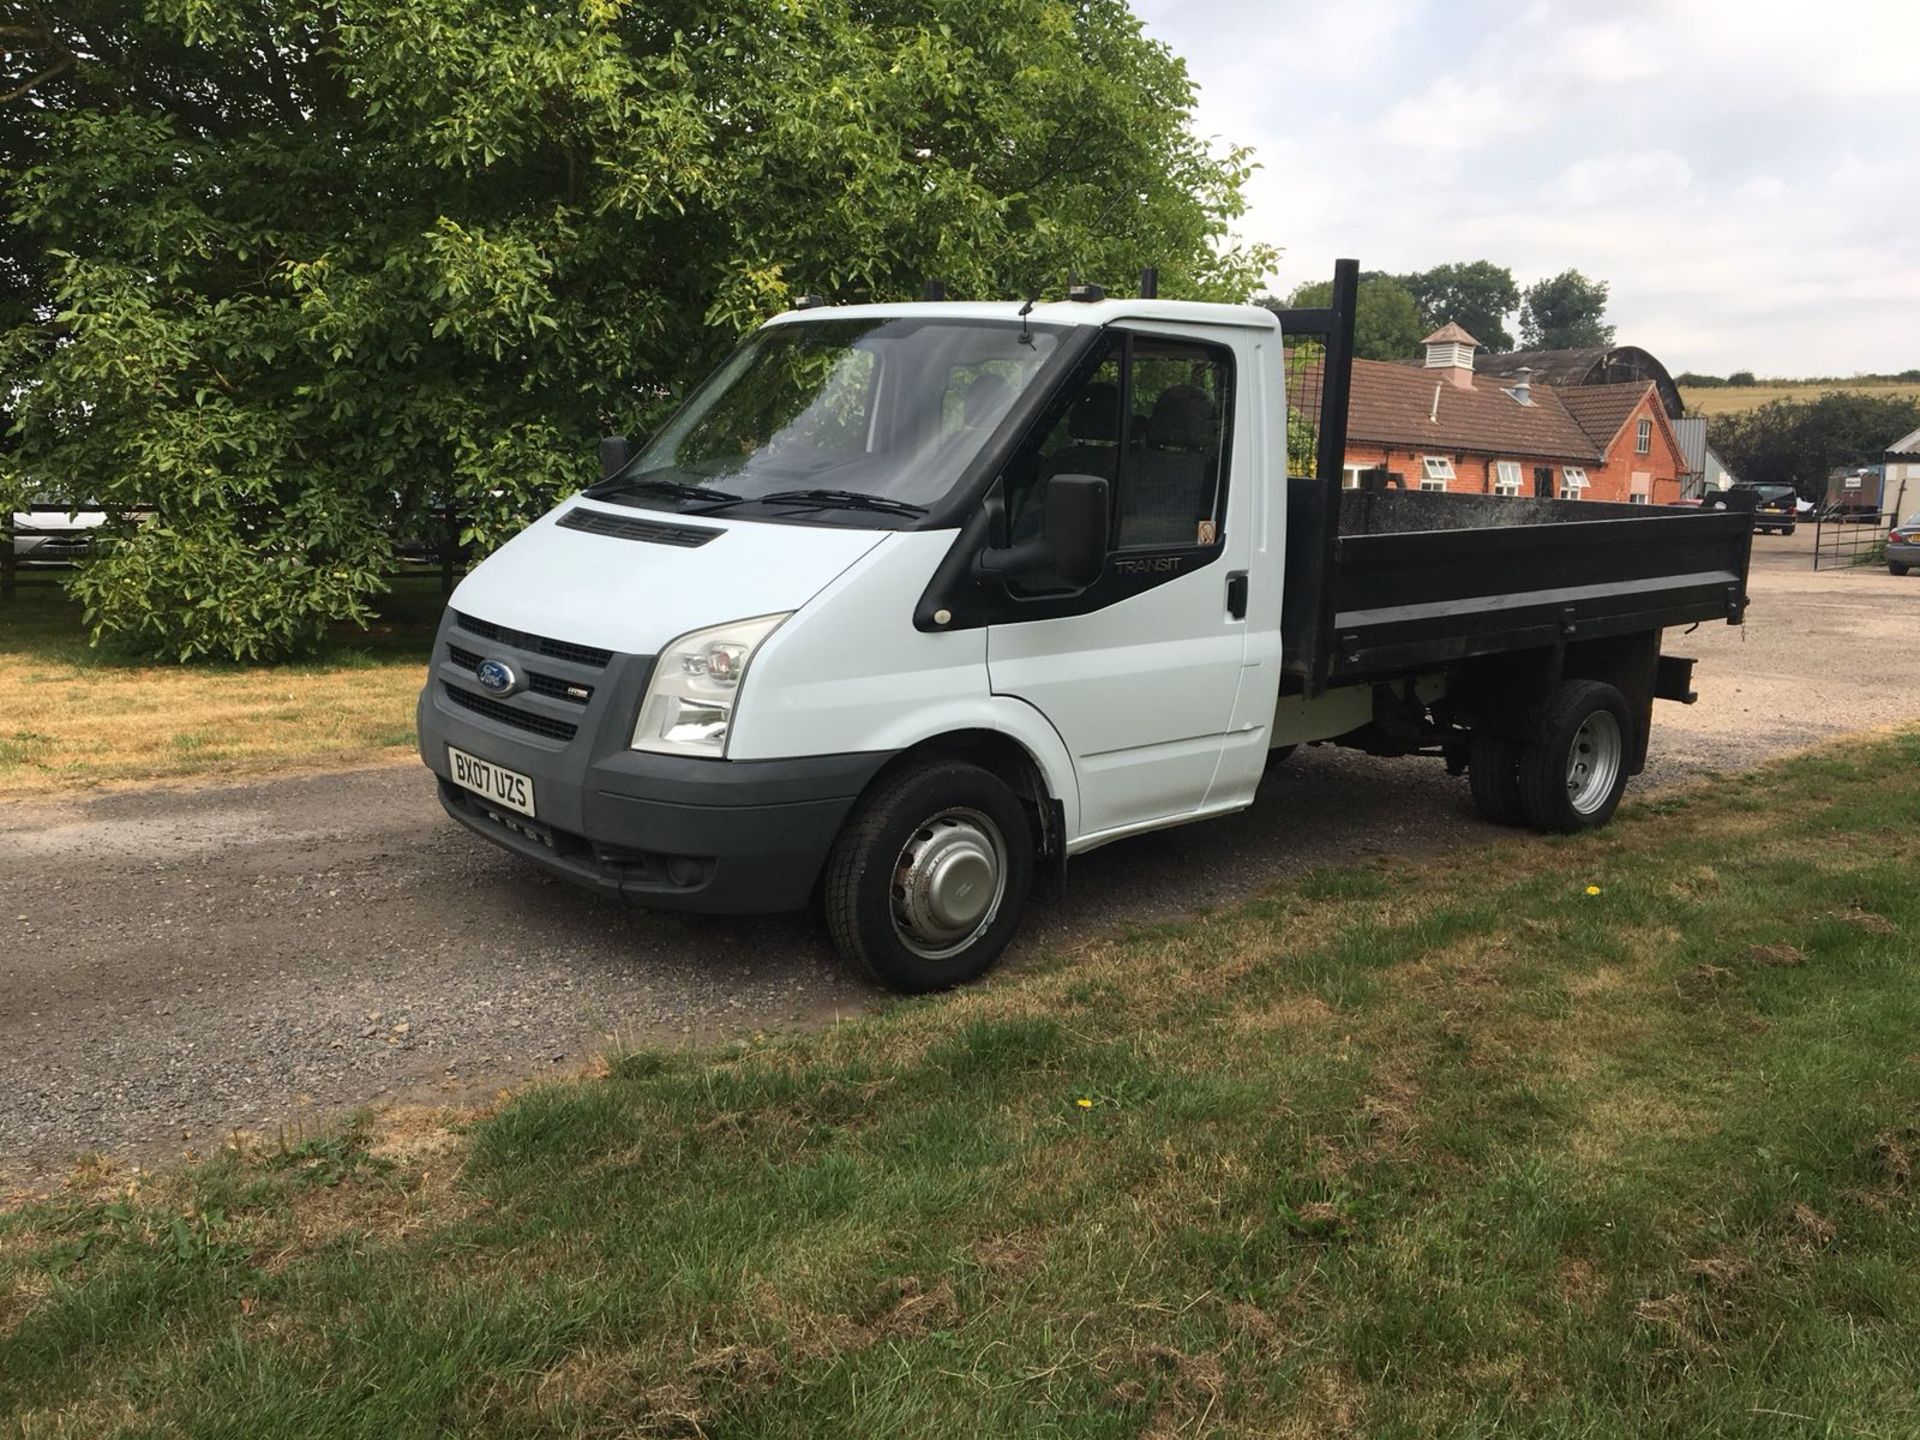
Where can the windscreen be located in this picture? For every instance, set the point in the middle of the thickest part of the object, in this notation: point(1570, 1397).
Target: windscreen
point(889, 408)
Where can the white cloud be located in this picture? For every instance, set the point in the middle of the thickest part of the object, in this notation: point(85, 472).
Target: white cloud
point(1739, 179)
point(1453, 116)
point(1619, 174)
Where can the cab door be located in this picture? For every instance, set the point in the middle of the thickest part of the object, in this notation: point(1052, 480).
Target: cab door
point(1138, 672)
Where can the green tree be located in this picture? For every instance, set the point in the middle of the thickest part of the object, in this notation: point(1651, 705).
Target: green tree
point(1386, 323)
point(1477, 295)
point(1567, 312)
point(291, 273)
point(1800, 442)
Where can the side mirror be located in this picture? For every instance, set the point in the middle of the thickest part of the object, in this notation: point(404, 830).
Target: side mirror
point(1072, 544)
point(614, 454)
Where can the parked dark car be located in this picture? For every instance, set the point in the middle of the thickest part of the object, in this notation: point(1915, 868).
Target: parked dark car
point(1776, 506)
point(1903, 546)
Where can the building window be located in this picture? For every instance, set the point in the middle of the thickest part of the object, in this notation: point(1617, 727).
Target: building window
point(1350, 476)
point(1643, 442)
point(1435, 472)
point(1573, 482)
point(1506, 477)
point(1640, 487)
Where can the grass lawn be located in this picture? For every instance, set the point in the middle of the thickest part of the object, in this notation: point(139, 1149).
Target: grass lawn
point(1605, 1136)
point(1732, 399)
point(76, 717)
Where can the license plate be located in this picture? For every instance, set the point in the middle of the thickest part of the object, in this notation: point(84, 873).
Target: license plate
point(490, 781)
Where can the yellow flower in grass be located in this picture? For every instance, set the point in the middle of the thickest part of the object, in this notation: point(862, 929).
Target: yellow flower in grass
point(1593, 889)
point(1084, 1103)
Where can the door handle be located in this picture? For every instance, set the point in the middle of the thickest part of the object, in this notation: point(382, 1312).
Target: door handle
point(1237, 594)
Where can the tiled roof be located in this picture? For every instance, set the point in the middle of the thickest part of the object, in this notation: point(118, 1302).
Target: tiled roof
point(1391, 405)
point(1906, 445)
point(1601, 410)
point(1450, 332)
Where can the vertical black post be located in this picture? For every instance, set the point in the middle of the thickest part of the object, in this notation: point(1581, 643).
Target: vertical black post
point(1150, 283)
point(1335, 388)
point(6, 561)
point(449, 548)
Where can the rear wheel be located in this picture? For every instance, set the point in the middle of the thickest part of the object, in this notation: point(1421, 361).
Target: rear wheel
point(1894, 567)
point(1493, 776)
point(926, 885)
point(1572, 777)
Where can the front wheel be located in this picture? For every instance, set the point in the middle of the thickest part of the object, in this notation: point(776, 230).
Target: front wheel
point(1573, 775)
point(926, 885)
point(1894, 567)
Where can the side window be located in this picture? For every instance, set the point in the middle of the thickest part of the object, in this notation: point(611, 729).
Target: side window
point(1081, 437)
point(1174, 471)
point(1153, 420)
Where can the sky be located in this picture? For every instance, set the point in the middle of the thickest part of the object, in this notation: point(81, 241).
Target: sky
point(1745, 174)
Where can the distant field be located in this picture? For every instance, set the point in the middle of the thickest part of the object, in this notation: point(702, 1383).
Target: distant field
point(1732, 399)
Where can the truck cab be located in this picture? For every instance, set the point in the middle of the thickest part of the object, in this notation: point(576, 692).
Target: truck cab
point(909, 604)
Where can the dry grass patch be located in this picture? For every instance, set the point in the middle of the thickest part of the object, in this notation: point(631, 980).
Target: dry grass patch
point(77, 718)
point(91, 725)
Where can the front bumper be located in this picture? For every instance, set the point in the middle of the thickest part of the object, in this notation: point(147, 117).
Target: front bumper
point(668, 832)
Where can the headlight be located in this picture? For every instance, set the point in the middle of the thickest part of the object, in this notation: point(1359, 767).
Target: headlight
point(688, 708)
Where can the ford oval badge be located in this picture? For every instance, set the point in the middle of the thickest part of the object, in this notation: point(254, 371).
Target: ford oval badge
point(496, 677)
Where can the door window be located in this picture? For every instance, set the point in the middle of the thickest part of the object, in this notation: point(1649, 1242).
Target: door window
point(1153, 419)
point(1172, 476)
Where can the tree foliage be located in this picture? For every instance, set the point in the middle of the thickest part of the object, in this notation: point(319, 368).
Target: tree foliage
point(1477, 295)
point(1800, 442)
point(1386, 323)
point(291, 273)
point(1567, 312)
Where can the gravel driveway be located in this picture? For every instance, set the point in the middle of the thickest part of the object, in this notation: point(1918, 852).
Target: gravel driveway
point(178, 963)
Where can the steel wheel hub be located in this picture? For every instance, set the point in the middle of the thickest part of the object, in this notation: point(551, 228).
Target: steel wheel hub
point(948, 883)
point(1593, 761)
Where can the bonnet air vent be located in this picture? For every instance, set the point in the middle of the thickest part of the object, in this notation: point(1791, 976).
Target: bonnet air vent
point(621, 527)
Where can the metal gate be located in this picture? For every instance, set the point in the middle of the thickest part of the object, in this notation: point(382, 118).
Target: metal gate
point(1856, 537)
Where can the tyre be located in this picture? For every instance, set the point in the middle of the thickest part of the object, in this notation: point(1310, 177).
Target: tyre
point(1788, 530)
point(1278, 756)
point(926, 884)
point(1493, 776)
point(1572, 776)
point(1894, 567)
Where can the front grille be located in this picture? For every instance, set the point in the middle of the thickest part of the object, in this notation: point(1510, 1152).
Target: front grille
point(538, 644)
point(508, 714)
point(569, 690)
point(620, 527)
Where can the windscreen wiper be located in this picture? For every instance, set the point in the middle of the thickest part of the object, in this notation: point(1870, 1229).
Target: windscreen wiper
point(827, 499)
point(680, 490)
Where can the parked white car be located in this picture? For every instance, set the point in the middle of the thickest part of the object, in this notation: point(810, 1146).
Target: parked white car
point(53, 531)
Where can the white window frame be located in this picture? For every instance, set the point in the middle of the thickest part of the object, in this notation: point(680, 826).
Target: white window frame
point(1435, 472)
point(1350, 476)
point(1573, 482)
point(1643, 438)
point(1640, 487)
point(1506, 478)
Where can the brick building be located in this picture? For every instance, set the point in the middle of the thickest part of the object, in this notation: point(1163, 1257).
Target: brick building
point(1442, 426)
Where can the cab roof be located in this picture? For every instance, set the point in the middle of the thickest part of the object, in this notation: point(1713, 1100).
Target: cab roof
point(1056, 312)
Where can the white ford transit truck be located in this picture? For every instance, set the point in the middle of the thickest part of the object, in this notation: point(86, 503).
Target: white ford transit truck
point(909, 604)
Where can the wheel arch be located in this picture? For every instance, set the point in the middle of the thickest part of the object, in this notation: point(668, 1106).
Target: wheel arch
point(1002, 754)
